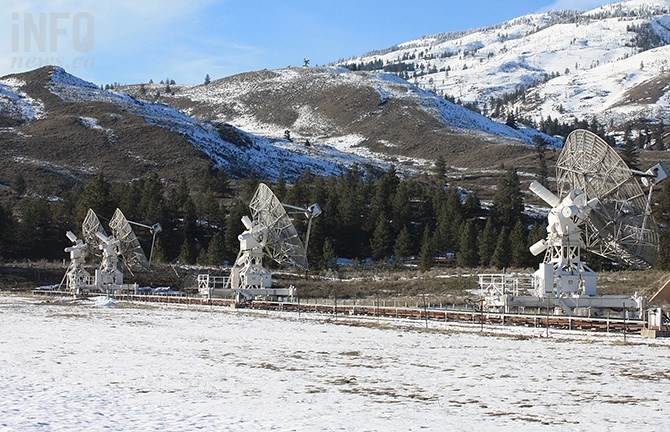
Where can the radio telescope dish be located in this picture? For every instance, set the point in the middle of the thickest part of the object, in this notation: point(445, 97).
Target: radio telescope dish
point(282, 242)
point(131, 250)
point(90, 229)
point(269, 231)
point(619, 226)
point(601, 207)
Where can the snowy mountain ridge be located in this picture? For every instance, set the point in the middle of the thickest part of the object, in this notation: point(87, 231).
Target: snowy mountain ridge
point(17, 107)
point(374, 115)
point(336, 118)
point(548, 64)
point(231, 148)
point(387, 86)
point(266, 157)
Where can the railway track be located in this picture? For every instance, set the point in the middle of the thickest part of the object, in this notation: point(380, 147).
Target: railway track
point(593, 324)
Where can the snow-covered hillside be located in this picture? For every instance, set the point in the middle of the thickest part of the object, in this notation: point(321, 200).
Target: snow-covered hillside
point(579, 63)
point(374, 115)
point(16, 107)
point(580, 94)
point(238, 151)
point(251, 153)
point(336, 118)
point(309, 121)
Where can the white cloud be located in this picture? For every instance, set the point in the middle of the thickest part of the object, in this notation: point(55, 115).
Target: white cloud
point(118, 31)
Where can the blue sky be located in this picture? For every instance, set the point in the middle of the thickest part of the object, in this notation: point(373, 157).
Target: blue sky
point(132, 41)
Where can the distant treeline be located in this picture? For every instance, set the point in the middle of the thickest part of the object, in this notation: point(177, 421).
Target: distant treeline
point(380, 217)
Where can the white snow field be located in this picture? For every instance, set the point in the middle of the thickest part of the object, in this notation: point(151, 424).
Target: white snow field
point(69, 366)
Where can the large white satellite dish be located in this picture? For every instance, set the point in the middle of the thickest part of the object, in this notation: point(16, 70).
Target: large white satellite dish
point(619, 226)
point(269, 231)
point(600, 207)
point(123, 243)
point(281, 241)
point(131, 251)
point(90, 228)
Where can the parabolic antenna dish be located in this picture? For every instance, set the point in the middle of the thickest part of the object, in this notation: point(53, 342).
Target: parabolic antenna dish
point(90, 228)
point(282, 241)
point(131, 250)
point(619, 227)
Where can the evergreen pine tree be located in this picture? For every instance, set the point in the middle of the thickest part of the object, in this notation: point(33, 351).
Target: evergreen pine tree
point(487, 243)
point(202, 256)
point(657, 136)
point(187, 253)
point(320, 226)
point(403, 245)
point(159, 254)
point(8, 233)
point(151, 205)
point(280, 187)
point(96, 196)
point(449, 221)
point(64, 210)
point(401, 208)
point(216, 250)
point(181, 194)
point(221, 184)
point(472, 206)
point(36, 237)
point(468, 255)
point(426, 255)
point(662, 215)
point(511, 121)
point(663, 258)
point(439, 169)
point(519, 246)
point(382, 239)
point(384, 191)
point(502, 255)
point(328, 257)
point(127, 198)
point(249, 186)
point(541, 151)
point(350, 210)
point(190, 216)
point(630, 153)
point(507, 201)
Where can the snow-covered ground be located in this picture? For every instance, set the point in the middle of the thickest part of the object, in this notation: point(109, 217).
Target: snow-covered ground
point(114, 366)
